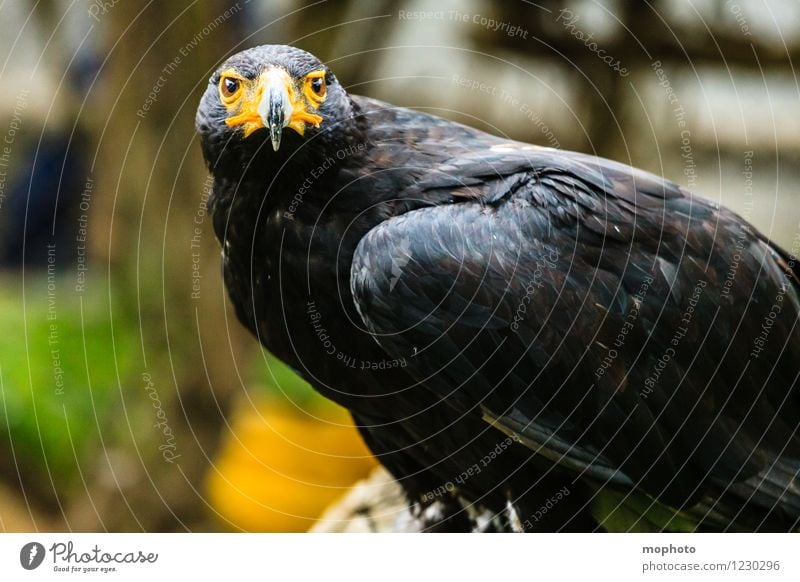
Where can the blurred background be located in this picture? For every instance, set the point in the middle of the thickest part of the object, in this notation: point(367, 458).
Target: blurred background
point(130, 398)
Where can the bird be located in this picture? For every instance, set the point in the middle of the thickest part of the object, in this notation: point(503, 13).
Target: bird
point(528, 339)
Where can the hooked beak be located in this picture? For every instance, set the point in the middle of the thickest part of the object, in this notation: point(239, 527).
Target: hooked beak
point(275, 108)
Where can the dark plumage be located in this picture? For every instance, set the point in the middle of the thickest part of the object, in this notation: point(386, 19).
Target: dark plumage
point(512, 327)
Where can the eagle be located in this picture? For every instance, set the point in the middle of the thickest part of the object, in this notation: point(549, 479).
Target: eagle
point(527, 338)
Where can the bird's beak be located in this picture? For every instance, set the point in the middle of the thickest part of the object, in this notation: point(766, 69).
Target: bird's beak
point(275, 107)
point(274, 102)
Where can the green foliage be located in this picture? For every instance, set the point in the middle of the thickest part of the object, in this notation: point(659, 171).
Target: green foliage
point(59, 366)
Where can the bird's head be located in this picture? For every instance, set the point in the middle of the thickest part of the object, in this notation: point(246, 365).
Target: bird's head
point(272, 94)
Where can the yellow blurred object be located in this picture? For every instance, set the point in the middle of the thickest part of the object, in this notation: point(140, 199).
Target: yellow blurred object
point(281, 467)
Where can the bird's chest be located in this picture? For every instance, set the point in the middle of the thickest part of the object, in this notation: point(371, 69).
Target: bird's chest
point(289, 280)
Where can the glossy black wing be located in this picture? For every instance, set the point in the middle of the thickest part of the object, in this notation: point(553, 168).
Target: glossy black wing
point(612, 321)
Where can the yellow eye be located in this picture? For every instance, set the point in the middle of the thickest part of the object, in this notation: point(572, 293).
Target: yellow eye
point(315, 87)
point(229, 88)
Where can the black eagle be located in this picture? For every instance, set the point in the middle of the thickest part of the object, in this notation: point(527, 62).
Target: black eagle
point(529, 339)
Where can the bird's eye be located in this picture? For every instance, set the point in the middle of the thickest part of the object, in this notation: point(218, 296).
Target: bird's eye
point(317, 85)
point(228, 87)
